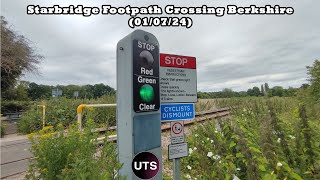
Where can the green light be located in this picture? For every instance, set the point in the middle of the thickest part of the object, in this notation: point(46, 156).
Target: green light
point(146, 93)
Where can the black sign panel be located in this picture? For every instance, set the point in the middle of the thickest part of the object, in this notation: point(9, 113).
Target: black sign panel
point(146, 96)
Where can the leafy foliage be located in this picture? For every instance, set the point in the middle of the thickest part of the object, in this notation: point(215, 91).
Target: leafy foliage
point(14, 106)
point(265, 138)
point(17, 56)
point(255, 92)
point(2, 129)
point(36, 91)
point(72, 156)
point(314, 73)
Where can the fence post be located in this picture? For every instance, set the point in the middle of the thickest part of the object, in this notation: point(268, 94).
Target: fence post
point(79, 114)
point(43, 115)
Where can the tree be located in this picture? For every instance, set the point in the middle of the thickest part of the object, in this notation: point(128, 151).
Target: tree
point(290, 92)
point(256, 91)
point(266, 87)
point(101, 89)
point(86, 91)
point(314, 73)
point(17, 57)
point(262, 90)
point(203, 95)
point(36, 91)
point(68, 91)
point(227, 93)
point(304, 86)
point(250, 92)
point(22, 91)
point(242, 94)
point(19, 92)
point(277, 91)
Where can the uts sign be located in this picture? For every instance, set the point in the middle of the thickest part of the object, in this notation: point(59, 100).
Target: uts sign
point(145, 165)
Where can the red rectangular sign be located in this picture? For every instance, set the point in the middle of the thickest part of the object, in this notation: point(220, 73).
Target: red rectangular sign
point(177, 61)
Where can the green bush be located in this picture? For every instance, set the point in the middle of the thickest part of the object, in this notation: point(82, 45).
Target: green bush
point(30, 121)
point(14, 106)
point(71, 156)
point(2, 129)
point(276, 138)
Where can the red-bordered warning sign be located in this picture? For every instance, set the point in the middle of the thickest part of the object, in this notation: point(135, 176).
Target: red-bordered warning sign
point(178, 82)
point(177, 132)
point(177, 127)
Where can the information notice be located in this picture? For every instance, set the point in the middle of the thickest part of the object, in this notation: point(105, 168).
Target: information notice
point(178, 82)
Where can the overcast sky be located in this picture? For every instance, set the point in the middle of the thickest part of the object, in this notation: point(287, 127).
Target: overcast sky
point(235, 52)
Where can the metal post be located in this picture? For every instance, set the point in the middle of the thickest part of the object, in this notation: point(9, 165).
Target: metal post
point(79, 121)
point(176, 169)
point(79, 114)
point(43, 115)
point(138, 115)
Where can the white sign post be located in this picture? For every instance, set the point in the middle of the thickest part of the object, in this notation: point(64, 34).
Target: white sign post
point(177, 148)
point(178, 84)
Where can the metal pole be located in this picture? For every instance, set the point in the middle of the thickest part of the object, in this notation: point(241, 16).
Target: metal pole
point(79, 114)
point(80, 120)
point(44, 115)
point(176, 169)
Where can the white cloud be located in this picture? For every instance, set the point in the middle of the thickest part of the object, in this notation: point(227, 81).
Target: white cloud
point(235, 52)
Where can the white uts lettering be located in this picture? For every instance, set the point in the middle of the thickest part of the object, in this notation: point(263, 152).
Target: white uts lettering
point(144, 164)
point(153, 165)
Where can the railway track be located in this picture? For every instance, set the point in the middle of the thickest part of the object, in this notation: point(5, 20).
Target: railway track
point(200, 116)
point(15, 156)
